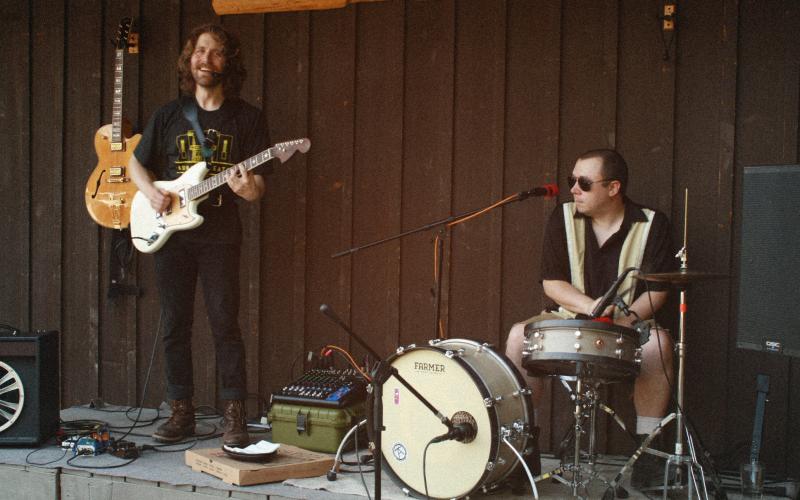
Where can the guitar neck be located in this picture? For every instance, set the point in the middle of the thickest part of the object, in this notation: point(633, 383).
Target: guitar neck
point(211, 183)
point(116, 118)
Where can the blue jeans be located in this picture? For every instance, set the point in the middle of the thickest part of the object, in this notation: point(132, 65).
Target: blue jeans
point(178, 265)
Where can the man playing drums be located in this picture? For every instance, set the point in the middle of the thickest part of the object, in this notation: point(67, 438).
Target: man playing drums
point(587, 244)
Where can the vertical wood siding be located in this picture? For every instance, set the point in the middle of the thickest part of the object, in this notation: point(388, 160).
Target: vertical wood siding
point(417, 110)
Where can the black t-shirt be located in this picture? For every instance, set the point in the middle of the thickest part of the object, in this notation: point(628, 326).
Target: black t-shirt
point(168, 148)
point(601, 264)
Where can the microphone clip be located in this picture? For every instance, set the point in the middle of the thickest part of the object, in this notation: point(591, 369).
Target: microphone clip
point(642, 327)
point(463, 432)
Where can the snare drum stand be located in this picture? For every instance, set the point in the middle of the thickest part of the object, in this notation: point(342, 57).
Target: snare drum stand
point(586, 402)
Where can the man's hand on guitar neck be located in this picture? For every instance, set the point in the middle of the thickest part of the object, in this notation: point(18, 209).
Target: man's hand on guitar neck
point(246, 184)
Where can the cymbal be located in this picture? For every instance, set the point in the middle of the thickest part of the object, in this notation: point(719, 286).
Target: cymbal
point(680, 277)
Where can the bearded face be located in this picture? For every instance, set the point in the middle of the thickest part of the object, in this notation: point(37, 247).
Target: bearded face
point(208, 61)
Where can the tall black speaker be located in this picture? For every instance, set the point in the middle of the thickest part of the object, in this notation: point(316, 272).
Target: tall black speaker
point(769, 267)
point(29, 386)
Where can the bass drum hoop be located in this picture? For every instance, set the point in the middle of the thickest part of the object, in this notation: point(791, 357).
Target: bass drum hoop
point(520, 386)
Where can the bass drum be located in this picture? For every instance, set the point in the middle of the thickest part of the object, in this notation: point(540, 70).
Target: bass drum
point(468, 382)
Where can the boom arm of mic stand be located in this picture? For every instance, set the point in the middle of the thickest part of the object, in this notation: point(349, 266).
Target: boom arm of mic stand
point(522, 195)
point(384, 370)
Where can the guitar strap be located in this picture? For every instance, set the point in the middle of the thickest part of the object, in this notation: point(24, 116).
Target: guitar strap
point(189, 109)
point(190, 112)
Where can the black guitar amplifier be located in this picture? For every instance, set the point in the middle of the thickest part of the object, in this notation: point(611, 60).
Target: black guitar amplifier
point(29, 386)
point(326, 387)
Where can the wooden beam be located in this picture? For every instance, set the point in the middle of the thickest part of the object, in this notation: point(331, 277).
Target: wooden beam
point(224, 7)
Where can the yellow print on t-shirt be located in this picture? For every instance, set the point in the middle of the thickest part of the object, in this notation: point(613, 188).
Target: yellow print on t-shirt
point(190, 152)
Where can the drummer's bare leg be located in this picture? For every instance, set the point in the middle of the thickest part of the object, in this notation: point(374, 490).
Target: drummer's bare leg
point(651, 390)
point(514, 346)
point(651, 395)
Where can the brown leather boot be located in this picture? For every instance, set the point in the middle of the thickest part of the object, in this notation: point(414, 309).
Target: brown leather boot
point(180, 424)
point(235, 424)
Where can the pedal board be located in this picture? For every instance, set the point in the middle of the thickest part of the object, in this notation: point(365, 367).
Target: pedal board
point(326, 387)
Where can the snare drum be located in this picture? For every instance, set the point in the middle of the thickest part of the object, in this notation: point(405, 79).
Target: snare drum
point(607, 352)
point(465, 380)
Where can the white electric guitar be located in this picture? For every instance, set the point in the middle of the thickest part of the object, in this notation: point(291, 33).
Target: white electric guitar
point(151, 229)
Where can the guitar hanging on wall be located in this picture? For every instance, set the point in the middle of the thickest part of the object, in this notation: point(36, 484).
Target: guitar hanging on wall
point(151, 229)
point(109, 190)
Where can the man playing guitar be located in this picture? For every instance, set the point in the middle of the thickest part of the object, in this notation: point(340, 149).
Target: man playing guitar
point(211, 76)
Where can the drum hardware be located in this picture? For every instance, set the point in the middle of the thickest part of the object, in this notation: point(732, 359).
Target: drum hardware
point(338, 458)
point(588, 353)
point(586, 397)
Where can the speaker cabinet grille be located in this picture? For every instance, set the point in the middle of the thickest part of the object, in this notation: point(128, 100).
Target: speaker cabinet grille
point(29, 387)
point(769, 269)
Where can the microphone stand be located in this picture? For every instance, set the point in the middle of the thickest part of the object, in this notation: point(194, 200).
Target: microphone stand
point(448, 221)
point(384, 370)
point(382, 373)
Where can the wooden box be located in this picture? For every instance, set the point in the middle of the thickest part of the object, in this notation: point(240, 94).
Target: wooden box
point(290, 462)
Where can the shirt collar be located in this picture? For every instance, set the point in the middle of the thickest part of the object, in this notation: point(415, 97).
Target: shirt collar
point(633, 213)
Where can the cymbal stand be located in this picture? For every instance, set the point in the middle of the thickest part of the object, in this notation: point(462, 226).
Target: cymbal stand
point(680, 456)
point(683, 455)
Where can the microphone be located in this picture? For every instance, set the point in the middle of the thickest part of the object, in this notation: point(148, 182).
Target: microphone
point(620, 302)
point(328, 311)
point(464, 432)
point(217, 75)
point(548, 191)
point(609, 295)
point(642, 327)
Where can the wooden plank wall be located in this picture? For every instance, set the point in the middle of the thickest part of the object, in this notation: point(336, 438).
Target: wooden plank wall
point(417, 110)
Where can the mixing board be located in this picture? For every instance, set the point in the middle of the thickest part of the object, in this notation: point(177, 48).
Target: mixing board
point(328, 387)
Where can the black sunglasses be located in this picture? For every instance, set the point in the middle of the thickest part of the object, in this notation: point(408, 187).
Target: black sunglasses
point(583, 183)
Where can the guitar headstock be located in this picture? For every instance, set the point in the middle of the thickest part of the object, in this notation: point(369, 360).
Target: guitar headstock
point(133, 38)
point(123, 31)
point(285, 150)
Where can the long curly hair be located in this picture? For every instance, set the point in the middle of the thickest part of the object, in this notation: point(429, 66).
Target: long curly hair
point(233, 73)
